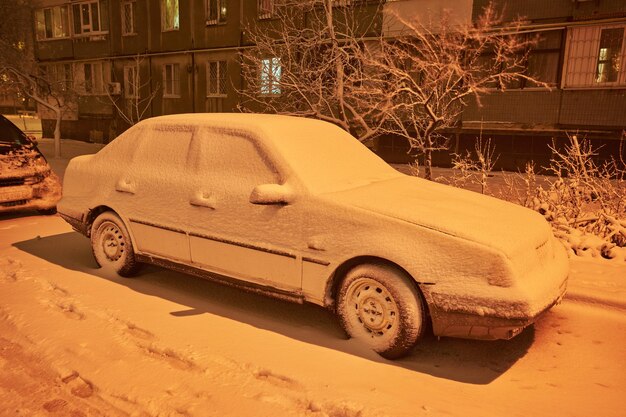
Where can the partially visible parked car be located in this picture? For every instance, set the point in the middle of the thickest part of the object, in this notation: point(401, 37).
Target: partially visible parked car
point(26, 180)
point(299, 209)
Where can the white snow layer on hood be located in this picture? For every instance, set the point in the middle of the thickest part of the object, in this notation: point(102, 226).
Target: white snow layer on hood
point(468, 215)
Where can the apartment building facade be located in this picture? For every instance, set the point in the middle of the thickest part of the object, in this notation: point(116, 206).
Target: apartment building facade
point(185, 53)
point(581, 55)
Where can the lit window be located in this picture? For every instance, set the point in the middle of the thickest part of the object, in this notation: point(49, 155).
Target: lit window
point(216, 78)
point(90, 17)
point(171, 80)
point(216, 11)
point(52, 22)
point(594, 55)
point(609, 55)
point(265, 9)
point(170, 15)
point(271, 72)
point(129, 9)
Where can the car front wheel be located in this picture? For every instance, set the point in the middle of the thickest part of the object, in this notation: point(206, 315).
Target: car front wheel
point(111, 245)
point(379, 305)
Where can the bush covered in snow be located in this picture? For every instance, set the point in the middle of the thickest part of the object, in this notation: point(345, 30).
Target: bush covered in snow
point(585, 202)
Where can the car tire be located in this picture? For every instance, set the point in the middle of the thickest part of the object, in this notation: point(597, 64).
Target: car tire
point(111, 245)
point(380, 305)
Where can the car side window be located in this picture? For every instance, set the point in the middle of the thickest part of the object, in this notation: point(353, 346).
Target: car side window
point(164, 148)
point(234, 162)
point(122, 150)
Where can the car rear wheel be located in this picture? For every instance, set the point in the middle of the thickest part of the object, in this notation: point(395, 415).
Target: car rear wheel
point(111, 245)
point(379, 305)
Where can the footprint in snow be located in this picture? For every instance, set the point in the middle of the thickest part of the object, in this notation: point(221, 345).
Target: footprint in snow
point(175, 359)
point(78, 386)
point(276, 379)
point(55, 405)
point(69, 310)
point(54, 288)
point(11, 270)
point(137, 332)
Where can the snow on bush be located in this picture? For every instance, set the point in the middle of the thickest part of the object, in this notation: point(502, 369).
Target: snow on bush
point(585, 202)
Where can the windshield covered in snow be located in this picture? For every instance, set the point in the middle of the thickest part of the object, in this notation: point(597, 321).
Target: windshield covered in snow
point(327, 158)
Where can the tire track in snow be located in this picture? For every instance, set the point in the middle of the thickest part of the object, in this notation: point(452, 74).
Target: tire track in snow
point(595, 301)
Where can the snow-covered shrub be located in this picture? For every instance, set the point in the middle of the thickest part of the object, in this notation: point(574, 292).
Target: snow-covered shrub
point(586, 199)
point(414, 168)
point(474, 168)
point(585, 202)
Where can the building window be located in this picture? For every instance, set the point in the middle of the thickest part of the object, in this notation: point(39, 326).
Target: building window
point(90, 17)
point(265, 9)
point(59, 76)
point(52, 22)
point(129, 9)
point(170, 15)
point(541, 63)
point(216, 78)
point(609, 55)
point(91, 78)
point(171, 80)
point(216, 11)
point(594, 57)
point(270, 74)
point(543, 66)
point(131, 82)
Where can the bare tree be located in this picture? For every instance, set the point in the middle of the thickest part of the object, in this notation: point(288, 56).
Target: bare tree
point(306, 61)
point(135, 101)
point(47, 92)
point(19, 71)
point(435, 68)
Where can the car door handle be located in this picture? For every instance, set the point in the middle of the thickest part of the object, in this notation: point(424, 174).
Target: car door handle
point(125, 186)
point(202, 199)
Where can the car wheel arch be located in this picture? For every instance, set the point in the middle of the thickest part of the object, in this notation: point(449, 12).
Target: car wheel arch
point(334, 282)
point(93, 214)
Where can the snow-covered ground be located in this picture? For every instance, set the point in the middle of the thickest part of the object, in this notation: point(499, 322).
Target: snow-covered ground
point(76, 342)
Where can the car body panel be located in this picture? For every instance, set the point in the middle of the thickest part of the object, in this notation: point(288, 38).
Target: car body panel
point(26, 180)
point(188, 205)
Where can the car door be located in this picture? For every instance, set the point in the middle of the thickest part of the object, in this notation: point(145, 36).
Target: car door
point(153, 188)
point(230, 235)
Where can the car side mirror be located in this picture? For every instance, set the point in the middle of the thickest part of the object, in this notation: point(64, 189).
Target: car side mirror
point(33, 140)
point(271, 194)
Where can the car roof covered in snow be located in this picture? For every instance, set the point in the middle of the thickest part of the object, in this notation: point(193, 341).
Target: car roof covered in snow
point(324, 157)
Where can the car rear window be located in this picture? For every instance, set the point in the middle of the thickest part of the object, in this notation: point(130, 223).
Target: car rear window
point(9, 133)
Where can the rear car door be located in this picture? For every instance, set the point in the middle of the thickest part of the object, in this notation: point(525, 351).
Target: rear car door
point(152, 190)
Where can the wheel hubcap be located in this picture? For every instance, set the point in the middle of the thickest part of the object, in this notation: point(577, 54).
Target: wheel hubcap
point(112, 241)
point(374, 306)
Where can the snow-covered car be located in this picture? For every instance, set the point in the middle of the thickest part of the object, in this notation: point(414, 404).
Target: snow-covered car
point(26, 180)
point(299, 209)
